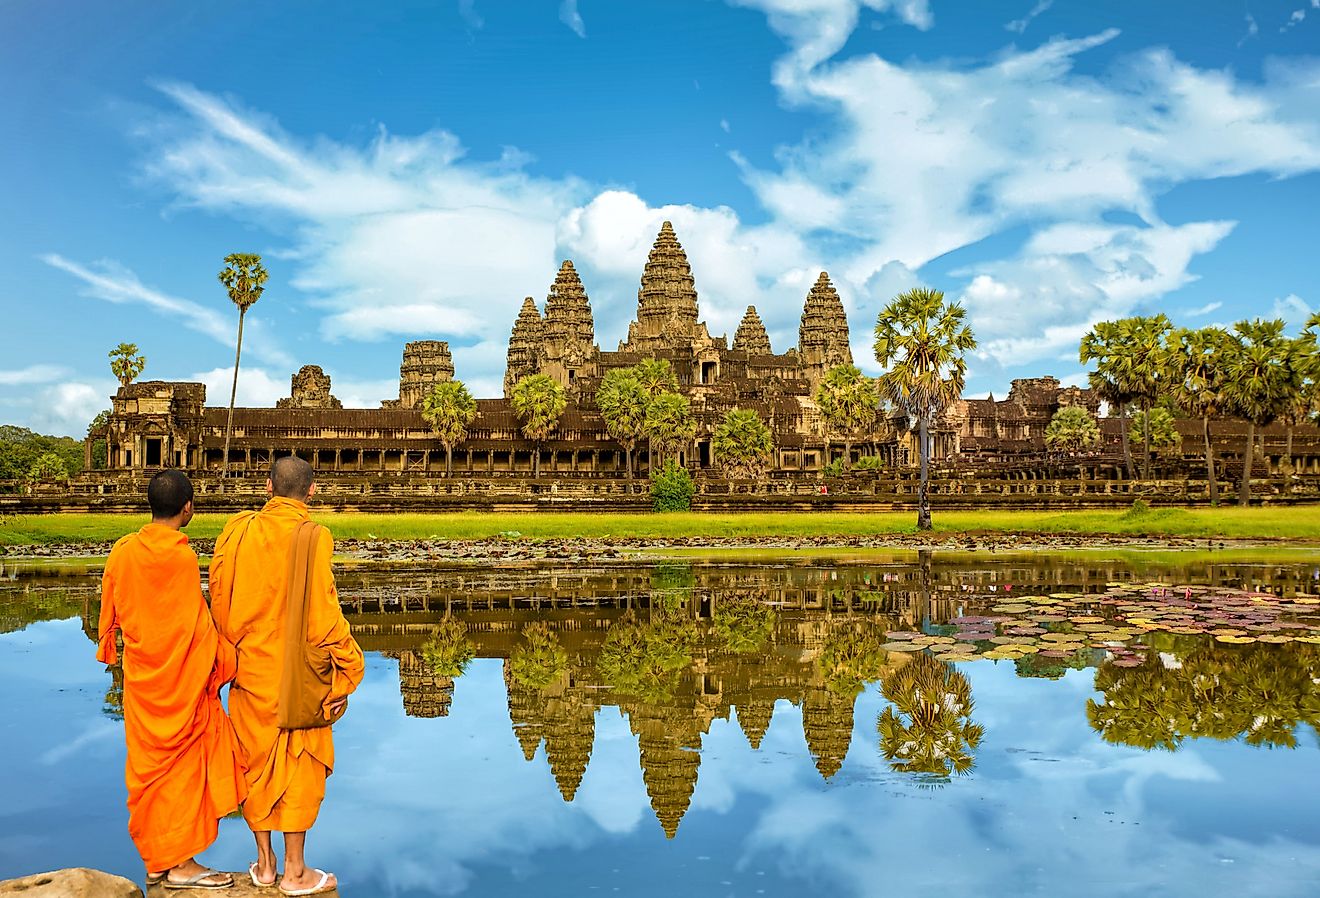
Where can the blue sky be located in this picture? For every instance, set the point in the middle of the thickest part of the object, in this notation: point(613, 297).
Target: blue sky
point(413, 170)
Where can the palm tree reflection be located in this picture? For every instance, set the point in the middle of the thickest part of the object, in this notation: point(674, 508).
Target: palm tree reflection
point(928, 731)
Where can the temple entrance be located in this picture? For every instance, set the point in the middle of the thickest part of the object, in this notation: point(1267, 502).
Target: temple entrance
point(708, 370)
point(703, 454)
point(153, 452)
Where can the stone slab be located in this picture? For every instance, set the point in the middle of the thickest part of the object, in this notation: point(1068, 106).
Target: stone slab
point(78, 882)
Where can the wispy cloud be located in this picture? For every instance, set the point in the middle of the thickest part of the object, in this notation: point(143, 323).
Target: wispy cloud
point(110, 281)
point(32, 374)
point(1020, 25)
point(1206, 309)
point(569, 15)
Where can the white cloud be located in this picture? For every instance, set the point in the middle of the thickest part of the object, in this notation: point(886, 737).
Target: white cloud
point(1020, 25)
point(569, 15)
point(1206, 309)
point(1253, 29)
point(1292, 309)
point(1069, 276)
point(257, 388)
point(32, 374)
point(1298, 16)
point(66, 409)
point(110, 281)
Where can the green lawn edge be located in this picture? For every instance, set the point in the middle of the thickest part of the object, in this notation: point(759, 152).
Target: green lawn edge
point(1281, 523)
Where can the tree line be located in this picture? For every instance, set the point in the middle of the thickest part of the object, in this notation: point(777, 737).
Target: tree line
point(1253, 371)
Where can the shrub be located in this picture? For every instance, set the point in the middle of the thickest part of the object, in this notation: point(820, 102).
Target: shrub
point(869, 463)
point(672, 488)
point(833, 469)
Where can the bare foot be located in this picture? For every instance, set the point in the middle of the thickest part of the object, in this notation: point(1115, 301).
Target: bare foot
point(307, 878)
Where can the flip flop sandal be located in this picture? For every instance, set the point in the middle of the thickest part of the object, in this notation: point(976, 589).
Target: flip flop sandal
point(195, 881)
point(252, 874)
point(319, 889)
point(153, 878)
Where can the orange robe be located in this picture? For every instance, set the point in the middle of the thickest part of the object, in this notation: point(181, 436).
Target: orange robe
point(183, 771)
point(286, 769)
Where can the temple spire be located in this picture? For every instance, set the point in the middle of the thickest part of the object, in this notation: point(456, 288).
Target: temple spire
point(667, 299)
point(568, 310)
point(751, 337)
point(823, 333)
point(524, 345)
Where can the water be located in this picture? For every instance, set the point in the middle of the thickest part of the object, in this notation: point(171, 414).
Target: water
point(714, 729)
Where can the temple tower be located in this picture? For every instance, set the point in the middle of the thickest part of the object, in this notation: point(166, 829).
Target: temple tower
point(827, 722)
point(570, 730)
point(751, 337)
point(667, 300)
point(425, 694)
point(754, 719)
point(823, 334)
point(310, 388)
point(568, 333)
point(425, 364)
point(524, 346)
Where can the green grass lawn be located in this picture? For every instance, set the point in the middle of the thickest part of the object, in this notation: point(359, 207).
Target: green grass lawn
point(1297, 522)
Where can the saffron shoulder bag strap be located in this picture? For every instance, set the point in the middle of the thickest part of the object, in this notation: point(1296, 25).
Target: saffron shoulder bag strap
point(308, 670)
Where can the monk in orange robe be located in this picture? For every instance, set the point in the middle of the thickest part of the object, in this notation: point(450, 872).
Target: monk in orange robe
point(286, 769)
point(183, 771)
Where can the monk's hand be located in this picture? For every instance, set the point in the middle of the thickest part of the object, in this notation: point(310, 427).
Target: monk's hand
point(335, 705)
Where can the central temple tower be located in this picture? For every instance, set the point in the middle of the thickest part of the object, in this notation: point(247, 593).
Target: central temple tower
point(667, 314)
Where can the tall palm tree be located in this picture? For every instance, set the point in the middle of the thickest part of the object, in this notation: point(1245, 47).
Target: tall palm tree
point(1194, 361)
point(449, 408)
point(921, 341)
point(244, 278)
point(622, 401)
point(126, 363)
point(1302, 358)
point(669, 422)
point(1144, 336)
point(538, 400)
point(1105, 345)
point(656, 376)
point(743, 444)
point(1256, 382)
point(849, 404)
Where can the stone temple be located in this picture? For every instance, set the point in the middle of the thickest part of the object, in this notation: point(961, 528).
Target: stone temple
point(158, 423)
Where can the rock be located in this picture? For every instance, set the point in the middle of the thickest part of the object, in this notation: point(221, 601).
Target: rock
point(78, 882)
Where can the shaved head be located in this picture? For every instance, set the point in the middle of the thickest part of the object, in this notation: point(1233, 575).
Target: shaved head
point(167, 493)
point(291, 477)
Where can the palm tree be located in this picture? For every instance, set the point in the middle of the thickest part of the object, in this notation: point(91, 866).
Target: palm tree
point(1130, 354)
point(449, 408)
point(126, 363)
point(920, 340)
point(656, 376)
point(1156, 429)
point(1145, 362)
point(1104, 344)
point(1256, 382)
point(538, 400)
point(669, 422)
point(244, 278)
point(1072, 429)
point(931, 732)
point(1194, 360)
point(622, 401)
point(743, 444)
point(849, 404)
point(1302, 358)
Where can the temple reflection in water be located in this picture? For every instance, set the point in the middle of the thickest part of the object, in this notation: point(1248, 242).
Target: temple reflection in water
point(674, 647)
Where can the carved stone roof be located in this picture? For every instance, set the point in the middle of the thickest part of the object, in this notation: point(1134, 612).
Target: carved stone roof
point(425, 364)
point(568, 311)
point(524, 345)
point(667, 300)
point(823, 333)
point(751, 337)
point(309, 388)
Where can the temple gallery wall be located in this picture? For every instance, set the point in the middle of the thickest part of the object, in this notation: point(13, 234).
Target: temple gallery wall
point(162, 423)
